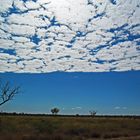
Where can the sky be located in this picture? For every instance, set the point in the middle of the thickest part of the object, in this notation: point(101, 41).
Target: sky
point(116, 93)
point(40, 36)
point(78, 55)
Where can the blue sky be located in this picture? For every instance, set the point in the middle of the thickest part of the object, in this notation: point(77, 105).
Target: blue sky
point(95, 44)
point(107, 93)
point(37, 36)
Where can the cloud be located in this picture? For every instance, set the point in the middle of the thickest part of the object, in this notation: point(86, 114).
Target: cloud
point(117, 107)
point(122, 108)
point(68, 35)
point(77, 108)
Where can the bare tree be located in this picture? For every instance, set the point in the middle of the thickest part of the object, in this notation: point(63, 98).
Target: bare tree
point(93, 113)
point(55, 111)
point(7, 92)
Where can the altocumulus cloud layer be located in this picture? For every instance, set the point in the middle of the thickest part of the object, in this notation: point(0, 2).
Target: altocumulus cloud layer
point(69, 35)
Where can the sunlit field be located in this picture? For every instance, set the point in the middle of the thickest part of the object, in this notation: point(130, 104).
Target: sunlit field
point(69, 128)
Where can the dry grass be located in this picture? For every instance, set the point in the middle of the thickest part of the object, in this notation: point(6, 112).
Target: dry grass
point(68, 128)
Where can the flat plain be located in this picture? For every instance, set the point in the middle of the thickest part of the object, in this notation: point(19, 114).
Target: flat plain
point(24, 127)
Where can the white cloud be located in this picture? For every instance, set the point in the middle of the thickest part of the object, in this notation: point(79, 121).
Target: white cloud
point(77, 108)
point(124, 107)
point(5, 5)
point(69, 35)
point(120, 108)
point(117, 107)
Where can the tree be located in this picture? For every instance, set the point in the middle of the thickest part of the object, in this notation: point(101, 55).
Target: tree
point(55, 111)
point(7, 92)
point(93, 113)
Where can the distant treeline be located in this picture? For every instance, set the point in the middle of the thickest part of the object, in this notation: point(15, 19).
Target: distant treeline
point(76, 115)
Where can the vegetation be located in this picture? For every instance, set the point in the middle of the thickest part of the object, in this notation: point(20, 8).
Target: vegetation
point(7, 93)
point(19, 127)
point(93, 113)
point(55, 111)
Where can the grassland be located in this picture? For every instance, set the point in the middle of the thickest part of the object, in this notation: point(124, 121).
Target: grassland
point(68, 128)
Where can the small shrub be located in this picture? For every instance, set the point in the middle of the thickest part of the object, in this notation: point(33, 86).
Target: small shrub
point(58, 137)
point(113, 135)
point(107, 136)
point(95, 135)
point(77, 131)
point(116, 135)
point(93, 113)
point(29, 137)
